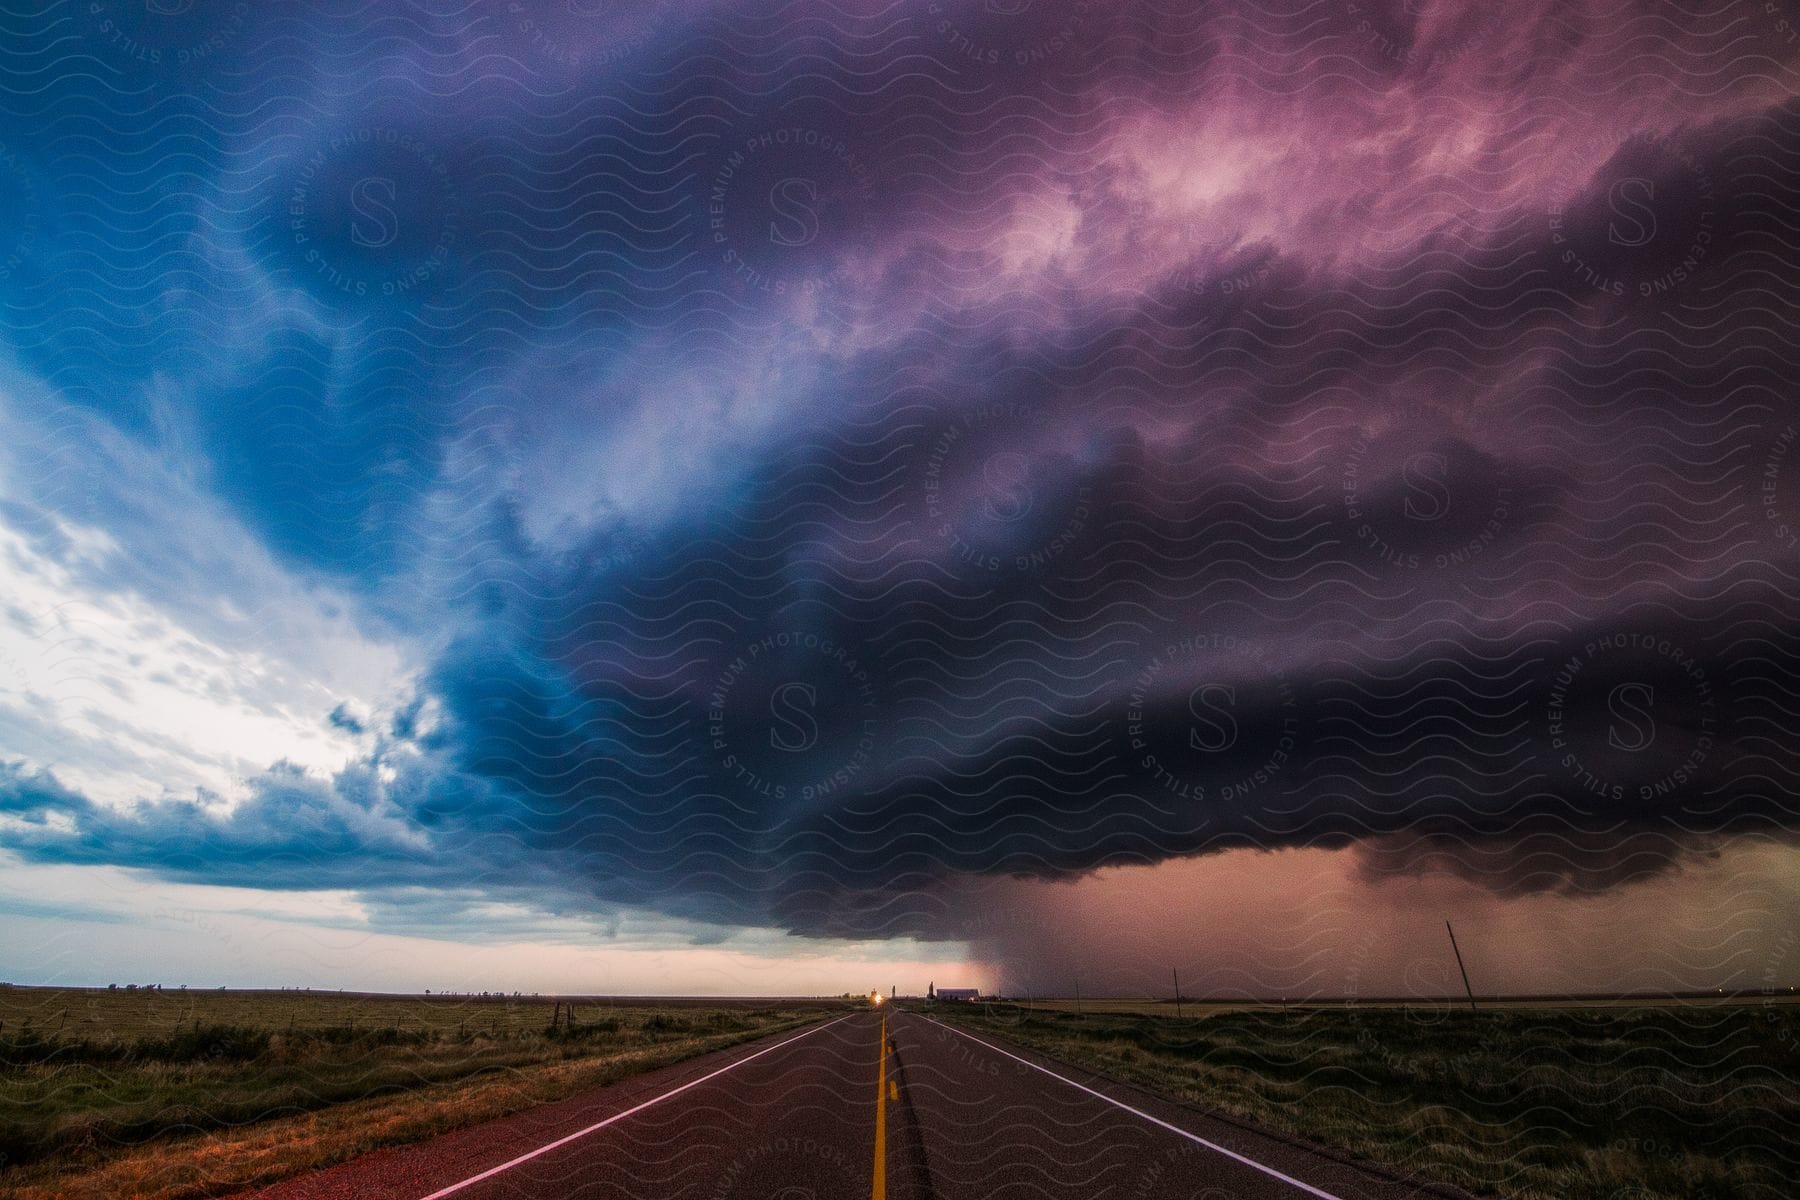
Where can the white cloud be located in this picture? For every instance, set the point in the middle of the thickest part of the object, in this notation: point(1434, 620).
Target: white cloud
point(177, 658)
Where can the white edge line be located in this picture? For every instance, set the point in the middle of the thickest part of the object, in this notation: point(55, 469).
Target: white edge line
point(581, 1133)
point(1308, 1188)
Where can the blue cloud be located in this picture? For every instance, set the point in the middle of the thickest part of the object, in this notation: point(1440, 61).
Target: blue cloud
point(341, 718)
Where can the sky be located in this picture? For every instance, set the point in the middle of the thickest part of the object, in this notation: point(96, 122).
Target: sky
point(794, 498)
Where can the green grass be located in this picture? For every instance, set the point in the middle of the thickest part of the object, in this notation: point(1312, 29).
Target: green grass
point(87, 1076)
point(1166, 1006)
point(1575, 1103)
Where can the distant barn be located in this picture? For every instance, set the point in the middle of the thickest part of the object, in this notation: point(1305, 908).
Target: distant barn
point(959, 993)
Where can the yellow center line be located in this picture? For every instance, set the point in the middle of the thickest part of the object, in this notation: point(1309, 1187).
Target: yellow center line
point(879, 1190)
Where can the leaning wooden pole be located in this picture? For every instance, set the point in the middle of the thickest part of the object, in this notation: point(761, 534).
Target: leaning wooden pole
point(1467, 990)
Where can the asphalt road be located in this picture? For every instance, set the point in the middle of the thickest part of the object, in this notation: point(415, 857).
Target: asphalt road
point(881, 1104)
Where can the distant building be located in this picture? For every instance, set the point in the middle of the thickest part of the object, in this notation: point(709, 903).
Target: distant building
point(959, 993)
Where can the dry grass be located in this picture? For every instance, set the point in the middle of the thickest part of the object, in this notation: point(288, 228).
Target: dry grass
point(157, 1096)
point(1659, 1103)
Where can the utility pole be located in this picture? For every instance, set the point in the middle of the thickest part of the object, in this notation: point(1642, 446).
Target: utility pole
point(1177, 975)
point(1459, 966)
point(1078, 995)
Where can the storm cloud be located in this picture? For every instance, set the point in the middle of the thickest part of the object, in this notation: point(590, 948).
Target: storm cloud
point(822, 458)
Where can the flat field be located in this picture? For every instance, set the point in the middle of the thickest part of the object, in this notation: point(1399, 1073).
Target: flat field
point(167, 1094)
point(1672, 1101)
point(1166, 1007)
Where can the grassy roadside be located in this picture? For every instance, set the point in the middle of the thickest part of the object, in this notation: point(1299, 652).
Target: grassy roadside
point(1550, 1104)
point(209, 1109)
